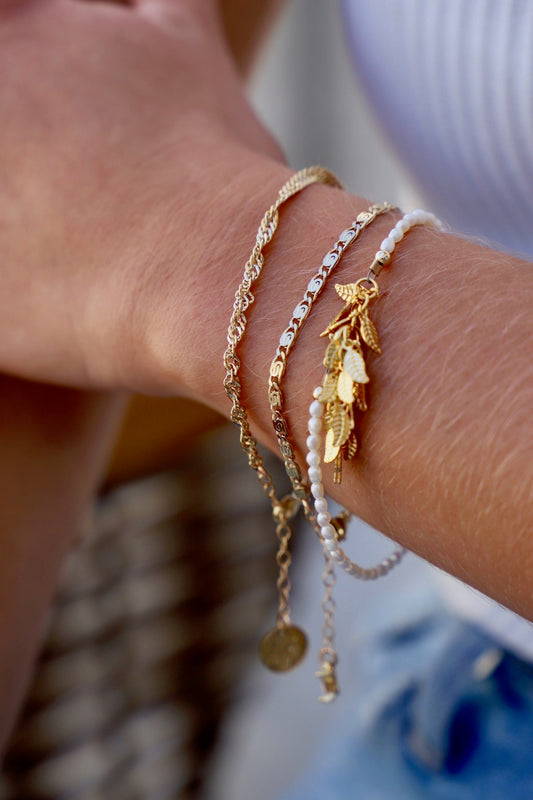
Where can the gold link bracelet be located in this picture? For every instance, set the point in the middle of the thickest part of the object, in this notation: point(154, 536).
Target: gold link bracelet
point(285, 645)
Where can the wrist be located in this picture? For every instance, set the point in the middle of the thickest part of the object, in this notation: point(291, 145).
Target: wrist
point(428, 433)
point(193, 255)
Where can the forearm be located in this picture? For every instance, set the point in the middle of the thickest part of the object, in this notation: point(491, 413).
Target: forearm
point(445, 447)
point(54, 447)
point(128, 217)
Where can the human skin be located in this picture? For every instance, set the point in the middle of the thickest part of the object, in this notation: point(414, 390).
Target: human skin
point(55, 445)
point(133, 178)
point(55, 441)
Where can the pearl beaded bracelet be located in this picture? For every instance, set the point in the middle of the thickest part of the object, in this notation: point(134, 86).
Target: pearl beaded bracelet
point(343, 388)
point(388, 245)
point(328, 533)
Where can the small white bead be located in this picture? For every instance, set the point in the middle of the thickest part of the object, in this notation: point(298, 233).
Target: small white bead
point(420, 216)
point(396, 235)
point(313, 441)
point(327, 532)
point(317, 490)
point(312, 458)
point(315, 474)
point(403, 225)
point(317, 392)
point(321, 505)
point(316, 409)
point(337, 556)
point(323, 519)
point(314, 425)
point(388, 244)
point(410, 219)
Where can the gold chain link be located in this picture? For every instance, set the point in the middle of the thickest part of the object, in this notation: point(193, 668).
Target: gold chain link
point(281, 512)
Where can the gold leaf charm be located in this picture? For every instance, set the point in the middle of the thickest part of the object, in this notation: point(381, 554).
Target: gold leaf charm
point(341, 332)
point(332, 354)
point(360, 396)
point(347, 292)
point(345, 389)
point(341, 425)
point(349, 448)
point(354, 364)
point(350, 333)
point(330, 451)
point(337, 470)
point(369, 333)
point(329, 387)
point(328, 413)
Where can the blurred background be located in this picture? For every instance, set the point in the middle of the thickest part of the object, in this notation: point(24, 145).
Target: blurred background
point(306, 90)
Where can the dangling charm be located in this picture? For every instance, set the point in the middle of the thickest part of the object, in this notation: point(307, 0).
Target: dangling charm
point(284, 646)
point(328, 676)
point(343, 387)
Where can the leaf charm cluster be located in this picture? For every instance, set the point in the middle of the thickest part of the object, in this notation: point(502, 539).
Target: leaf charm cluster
point(343, 387)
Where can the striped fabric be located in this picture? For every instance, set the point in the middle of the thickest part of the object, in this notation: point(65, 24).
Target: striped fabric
point(452, 83)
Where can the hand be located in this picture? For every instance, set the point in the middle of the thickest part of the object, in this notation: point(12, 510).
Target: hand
point(115, 123)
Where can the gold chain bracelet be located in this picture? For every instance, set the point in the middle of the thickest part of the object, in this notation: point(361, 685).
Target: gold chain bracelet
point(285, 645)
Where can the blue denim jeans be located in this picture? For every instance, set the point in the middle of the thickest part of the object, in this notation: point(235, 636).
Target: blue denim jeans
point(440, 712)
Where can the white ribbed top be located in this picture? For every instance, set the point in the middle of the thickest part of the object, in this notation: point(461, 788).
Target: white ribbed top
point(452, 83)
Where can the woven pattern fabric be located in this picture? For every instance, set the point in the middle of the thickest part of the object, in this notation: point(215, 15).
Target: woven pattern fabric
point(158, 613)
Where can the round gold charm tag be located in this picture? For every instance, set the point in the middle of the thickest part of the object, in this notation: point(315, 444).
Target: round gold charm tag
point(282, 649)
